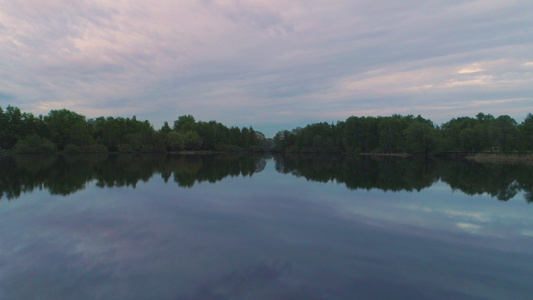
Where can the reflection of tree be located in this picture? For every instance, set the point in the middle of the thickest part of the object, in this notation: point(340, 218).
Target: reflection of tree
point(360, 173)
point(63, 175)
point(395, 174)
point(500, 181)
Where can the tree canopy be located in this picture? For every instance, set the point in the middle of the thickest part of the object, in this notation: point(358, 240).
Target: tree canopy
point(65, 130)
point(409, 134)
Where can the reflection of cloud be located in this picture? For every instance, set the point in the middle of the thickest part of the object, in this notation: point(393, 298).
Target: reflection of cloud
point(528, 233)
point(469, 227)
point(242, 282)
point(480, 217)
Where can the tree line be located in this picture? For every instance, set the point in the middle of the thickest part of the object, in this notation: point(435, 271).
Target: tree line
point(409, 134)
point(67, 131)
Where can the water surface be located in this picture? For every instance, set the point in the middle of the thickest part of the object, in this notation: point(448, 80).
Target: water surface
point(255, 227)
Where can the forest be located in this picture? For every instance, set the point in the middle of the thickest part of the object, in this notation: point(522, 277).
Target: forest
point(409, 134)
point(67, 131)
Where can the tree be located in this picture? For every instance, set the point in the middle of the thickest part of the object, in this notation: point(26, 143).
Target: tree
point(185, 123)
point(390, 131)
point(283, 140)
point(452, 132)
point(11, 130)
point(60, 122)
point(79, 134)
point(526, 129)
point(421, 137)
point(506, 133)
point(192, 140)
point(34, 144)
point(175, 141)
point(245, 139)
point(165, 129)
point(360, 134)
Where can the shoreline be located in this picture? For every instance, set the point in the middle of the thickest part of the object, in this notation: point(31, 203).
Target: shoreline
point(502, 158)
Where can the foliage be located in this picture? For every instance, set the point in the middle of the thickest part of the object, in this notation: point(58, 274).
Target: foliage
point(34, 144)
point(72, 132)
point(398, 134)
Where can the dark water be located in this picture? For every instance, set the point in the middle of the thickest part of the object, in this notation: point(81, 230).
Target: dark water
point(254, 227)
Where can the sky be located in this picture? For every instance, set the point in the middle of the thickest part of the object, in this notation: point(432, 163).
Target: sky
point(273, 64)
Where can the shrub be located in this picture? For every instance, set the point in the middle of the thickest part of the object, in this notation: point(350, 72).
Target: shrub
point(34, 144)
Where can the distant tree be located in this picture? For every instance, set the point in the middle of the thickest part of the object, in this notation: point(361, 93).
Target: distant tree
point(11, 130)
point(34, 144)
point(192, 140)
point(165, 128)
point(60, 122)
point(390, 131)
point(361, 134)
point(421, 137)
point(175, 142)
point(244, 142)
point(185, 123)
point(283, 140)
point(526, 129)
point(451, 131)
point(506, 133)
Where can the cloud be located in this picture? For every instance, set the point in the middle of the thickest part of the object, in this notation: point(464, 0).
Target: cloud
point(478, 80)
point(475, 68)
point(212, 58)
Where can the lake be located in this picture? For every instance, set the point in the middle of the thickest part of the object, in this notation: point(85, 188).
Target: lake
point(263, 227)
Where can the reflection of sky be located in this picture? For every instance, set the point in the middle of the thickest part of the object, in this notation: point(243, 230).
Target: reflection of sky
point(263, 237)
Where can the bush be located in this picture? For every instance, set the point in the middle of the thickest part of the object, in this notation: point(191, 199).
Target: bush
point(34, 144)
point(94, 148)
point(125, 148)
point(228, 148)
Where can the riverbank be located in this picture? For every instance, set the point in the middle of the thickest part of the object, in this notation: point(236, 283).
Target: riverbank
point(498, 158)
point(403, 154)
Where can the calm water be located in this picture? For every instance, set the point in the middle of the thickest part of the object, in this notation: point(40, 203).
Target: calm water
point(252, 227)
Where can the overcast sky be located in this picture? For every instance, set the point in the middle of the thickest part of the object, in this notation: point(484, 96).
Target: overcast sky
point(270, 64)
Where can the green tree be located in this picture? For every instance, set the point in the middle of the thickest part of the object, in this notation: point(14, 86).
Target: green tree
point(60, 123)
point(192, 140)
point(165, 129)
point(34, 144)
point(526, 129)
point(451, 131)
point(361, 134)
point(506, 133)
point(79, 134)
point(11, 130)
point(421, 137)
point(175, 141)
point(390, 131)
point(283, 140)
point(185, 123)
